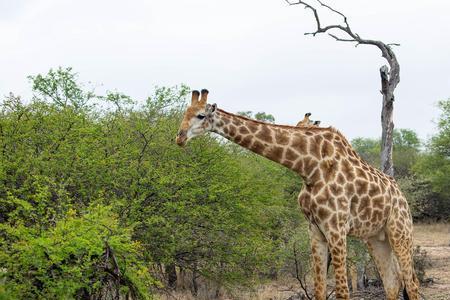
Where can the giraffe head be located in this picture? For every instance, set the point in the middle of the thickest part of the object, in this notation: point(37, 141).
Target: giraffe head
point(198, 118)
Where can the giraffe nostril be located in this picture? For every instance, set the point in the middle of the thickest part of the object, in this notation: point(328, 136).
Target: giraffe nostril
point(182, 134)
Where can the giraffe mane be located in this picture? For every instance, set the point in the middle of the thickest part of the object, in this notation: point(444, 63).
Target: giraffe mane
point(312, 128)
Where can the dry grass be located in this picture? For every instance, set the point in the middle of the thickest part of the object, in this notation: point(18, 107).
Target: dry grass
point(276, 290)
point(432, 235)
point(279, 290)
point(435, 239)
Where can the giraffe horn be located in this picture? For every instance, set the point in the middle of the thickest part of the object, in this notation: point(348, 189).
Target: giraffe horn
point(204, 97)
point(195, 95)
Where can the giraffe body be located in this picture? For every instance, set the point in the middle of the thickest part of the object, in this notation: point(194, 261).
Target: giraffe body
point(342, 195)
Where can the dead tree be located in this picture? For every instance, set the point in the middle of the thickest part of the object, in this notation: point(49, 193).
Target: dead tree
point(390, 76)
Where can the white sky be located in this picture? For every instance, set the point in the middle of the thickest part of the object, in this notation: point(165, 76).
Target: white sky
point(251, 55)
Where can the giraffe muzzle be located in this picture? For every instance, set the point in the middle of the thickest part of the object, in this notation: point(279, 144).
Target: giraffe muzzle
point(181, 138)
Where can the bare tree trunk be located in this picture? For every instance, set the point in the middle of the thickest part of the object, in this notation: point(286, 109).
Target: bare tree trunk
point(389, 81)
point(387, 127)
point(194, 281)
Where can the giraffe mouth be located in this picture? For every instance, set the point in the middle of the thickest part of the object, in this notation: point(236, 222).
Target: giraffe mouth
point(181, 140)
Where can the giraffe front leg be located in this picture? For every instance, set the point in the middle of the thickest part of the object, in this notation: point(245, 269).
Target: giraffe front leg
point(319, 251)
point(338, 251)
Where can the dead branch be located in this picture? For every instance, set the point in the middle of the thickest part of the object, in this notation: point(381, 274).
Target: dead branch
point(390, 77)
point(354, 37)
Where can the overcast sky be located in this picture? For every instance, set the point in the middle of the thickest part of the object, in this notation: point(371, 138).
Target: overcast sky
point(251, 55)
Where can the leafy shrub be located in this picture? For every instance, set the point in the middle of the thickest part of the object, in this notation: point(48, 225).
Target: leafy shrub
point(211, 210)
point(81, 256)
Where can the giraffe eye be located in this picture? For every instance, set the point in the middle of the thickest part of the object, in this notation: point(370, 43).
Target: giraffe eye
point(200, 116)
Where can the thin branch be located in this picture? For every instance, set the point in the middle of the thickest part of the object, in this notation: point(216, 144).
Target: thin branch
point(330, 294)
point(353, 37)
point(341, 39)
point(335, 11)
point(298, 275)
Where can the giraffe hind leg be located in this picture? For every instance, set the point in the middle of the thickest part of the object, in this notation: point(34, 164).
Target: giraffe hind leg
point(401, 243)
point(404, 256)
point(387, 266)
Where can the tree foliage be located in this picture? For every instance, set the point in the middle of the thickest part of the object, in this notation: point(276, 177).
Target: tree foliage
point(406, 150)
point(434, 165)
point(73, 258)
point(261, 116)
point(422, 175)
point(96, 199)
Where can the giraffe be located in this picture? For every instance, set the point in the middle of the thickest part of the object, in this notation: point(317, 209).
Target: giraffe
point(342, 195)
point(307, 122)
point(352, 271)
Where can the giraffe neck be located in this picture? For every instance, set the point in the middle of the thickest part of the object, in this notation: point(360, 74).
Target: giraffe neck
point(302, 150)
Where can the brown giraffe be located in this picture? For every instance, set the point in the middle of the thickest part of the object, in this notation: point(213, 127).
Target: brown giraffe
point(342, 194)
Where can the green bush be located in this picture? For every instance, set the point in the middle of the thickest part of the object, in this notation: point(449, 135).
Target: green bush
point(211, 209)
point(82, 255)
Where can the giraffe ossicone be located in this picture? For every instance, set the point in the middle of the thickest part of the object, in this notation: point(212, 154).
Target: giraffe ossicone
point(342, 194)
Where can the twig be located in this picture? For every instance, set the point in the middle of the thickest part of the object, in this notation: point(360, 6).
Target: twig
point(297, 275)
